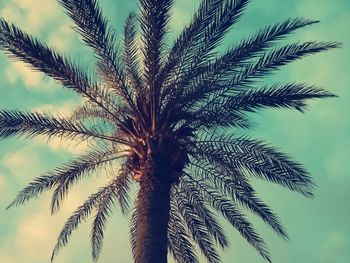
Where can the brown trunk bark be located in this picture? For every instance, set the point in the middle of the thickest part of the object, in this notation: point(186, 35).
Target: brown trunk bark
point(153, 206)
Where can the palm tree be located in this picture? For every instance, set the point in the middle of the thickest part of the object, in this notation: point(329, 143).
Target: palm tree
point(166, 123)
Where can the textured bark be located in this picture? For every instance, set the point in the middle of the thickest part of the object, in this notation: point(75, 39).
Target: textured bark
point(153, 206)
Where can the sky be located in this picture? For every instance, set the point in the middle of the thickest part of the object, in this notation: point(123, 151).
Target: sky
point(320, 139)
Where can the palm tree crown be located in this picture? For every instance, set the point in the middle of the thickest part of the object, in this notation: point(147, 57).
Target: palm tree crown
point(167, 123)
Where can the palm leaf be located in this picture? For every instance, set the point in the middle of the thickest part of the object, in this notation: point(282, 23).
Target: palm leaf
point(259, 159)
point(29, 124)
point(83, 211)
point(97, 34)
point(104, 209)
point(192, 200)
point(24, 47)
point(196, 226)
point(65, 174)
point(229, 211)
point(130, 54)
point(178, 239)
point(234, 184)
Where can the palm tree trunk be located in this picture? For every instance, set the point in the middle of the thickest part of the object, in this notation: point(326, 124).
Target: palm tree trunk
point(153, 207)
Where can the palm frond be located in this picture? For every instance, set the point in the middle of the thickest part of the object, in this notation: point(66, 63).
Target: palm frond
point(259, 159)
point(278, 57)
point(104, 209)
point(197, 228)
point(227, 110)
point(75, 169)
point(243, 77)
point(97, 34)
point(154, 19)
point(229, 211)
point(21, 46)
point(179, 242)
point(247, 49)
point(83, 211)
point(29, 124)
point(234, 184)
point(88, 111)
point(291, 95)
point(255, 45)
point(130, 54)
point(216, 17)
point(191, 199)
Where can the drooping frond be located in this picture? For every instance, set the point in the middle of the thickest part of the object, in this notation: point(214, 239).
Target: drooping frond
point(114, 188)
point(230, 212)
point(191, 199)
point(65, 175)
point(74, 171)
point(234, 184)
point(259, 159)
point(196, 227)
point(179, 242)
point(29, 124)
point(104, 209)
point(132, 231)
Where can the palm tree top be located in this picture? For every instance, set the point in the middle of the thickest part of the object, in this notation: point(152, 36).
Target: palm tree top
point(165, 118)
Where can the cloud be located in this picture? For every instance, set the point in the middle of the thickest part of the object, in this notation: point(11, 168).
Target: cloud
point(7, 257)
point(3, 188)
point(62, 38)
point(182, 13)
point(31, 15)
point(62, 108)
point(65, 145)
point(45, 20)
point(3, 182)
point(20, 159)
point(19, 71)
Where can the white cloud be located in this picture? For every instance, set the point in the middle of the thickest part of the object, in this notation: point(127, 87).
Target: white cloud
point(17, 71)
point(61, 38)
point(57, 144)
point(182, 13)
point(62, 108)
point(3, 182)
point(31, 15)
point(6, 257)
point(36, 236)
point(20, 160)
point(36, 17)
point(3, 189)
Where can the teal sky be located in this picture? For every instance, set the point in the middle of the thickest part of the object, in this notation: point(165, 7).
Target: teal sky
point(320, 139)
